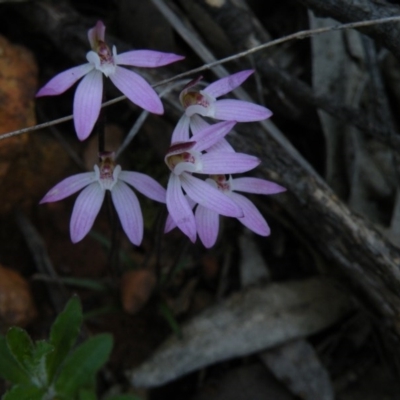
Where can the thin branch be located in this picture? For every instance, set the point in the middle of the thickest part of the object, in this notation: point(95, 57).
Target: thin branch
point(298, 35)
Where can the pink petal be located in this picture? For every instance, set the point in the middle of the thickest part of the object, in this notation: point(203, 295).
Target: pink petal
point(181, 131)
point(180, 209)
point(227, 163)
point(86, 208)
point(226, 85)
point(129, 212)
point(144, 184)
point(96, 33)
point(211, 135)
point(206, 195)
point(221, 146)
point(240, 111)
point(68, 186)
point(87, 103)
point(207, 222)
point(256, 185)
point(64, 80)
point(170, 223)
point(252, 217)
point(137, 90)
point(197, 124)
point(147, 58)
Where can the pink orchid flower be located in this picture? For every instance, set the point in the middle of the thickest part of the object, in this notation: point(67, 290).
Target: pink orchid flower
point(101, 60)
point(186, 158)
point(106, 177)
point(204, 103)
point(207, 220)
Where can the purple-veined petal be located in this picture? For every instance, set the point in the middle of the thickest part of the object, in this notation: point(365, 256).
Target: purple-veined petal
point(144, 184)
point(137, 90)
point(197, 124)
point(181, 131)
point(207, 222)
point(87, 103)
point(252, 217)
point(86, 208)
point(212, 134)
point(256, 185)
point(227, 163)
point(221, 146)
point(170, 223)
point(68, 186)
point(205, 111)
point(96, 33)
point(128, 208)
point(64, 80)
point(180, 209)
point(240, 111)
point(227, 84)
point(206, 195)
point(147, 58)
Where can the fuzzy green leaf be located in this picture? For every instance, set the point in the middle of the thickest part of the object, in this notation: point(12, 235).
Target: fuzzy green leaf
point(87, 395)
point(25, 392)
point(81, 366)
point(10, 369)
point(63, 335)
point(21, 347)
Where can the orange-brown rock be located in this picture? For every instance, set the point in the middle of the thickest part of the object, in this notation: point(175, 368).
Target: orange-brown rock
point(17, 306)
point(136, 288)
point(29, 163)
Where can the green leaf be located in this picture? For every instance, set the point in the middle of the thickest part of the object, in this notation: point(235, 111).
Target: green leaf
point(85, 283)
point(87, 395)
point(24, 392)
point(172, 322)
point(30, 357)
point(124, 397)
point(10, 369)
point(81, 366)
point(63, 335)
point(21, 347)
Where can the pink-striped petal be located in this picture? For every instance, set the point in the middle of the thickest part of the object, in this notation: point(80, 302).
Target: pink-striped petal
point(197, 124)
point(181, 131)
point(68, 186)
point(96, 34)
point(227, 163)
point(211, 135)
point(227, 84)
point(86, 208)
point(207, 222)
point(147, 58)
point(144, 184)
point(137, 90)
point(129, 212)
point(256, 185)
point(64, 80)
point(87, 103)
point(170, 223)
point(206, 195)
point(221, 146)
point(240, 111)
point(252, 217)
point(180, 209)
